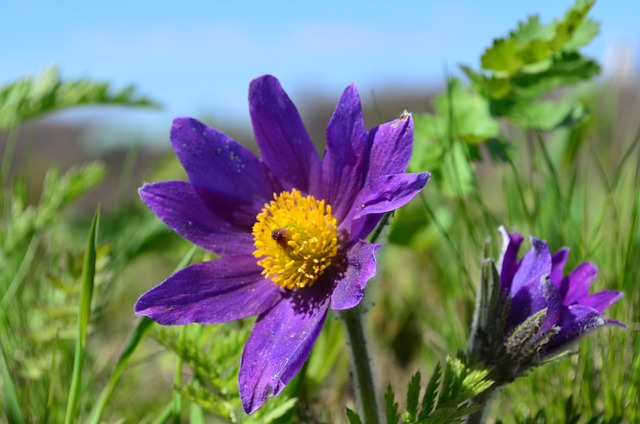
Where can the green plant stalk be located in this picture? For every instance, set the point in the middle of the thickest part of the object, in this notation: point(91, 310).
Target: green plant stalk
point(52, 379)
point(177, 381)
point(88, 273)
point(20, 275)
point(361, 364)
point(133, 341)
point(484, 399)
point(164, 415)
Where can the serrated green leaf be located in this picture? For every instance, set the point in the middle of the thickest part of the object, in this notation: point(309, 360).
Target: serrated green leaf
point(566, 69)
point(431, 393)
point(583, 35)
point(502, 57)
point(531, 30)
point(31, 97)
point(392, 413)
point(569, 25)
point(468, 112)
point(353, 417)
point(413, 393)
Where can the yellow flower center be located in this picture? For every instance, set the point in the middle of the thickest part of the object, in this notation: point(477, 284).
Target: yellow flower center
point(296, 238)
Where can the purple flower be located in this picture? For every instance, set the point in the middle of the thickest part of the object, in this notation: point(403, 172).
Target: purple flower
point(536, 282)
point(289, 227)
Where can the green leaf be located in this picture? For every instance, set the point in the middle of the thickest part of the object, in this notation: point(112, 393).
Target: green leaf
point(583, 35)
point(431, 393)
point(502, 57)
point(566, 69)
point(546, 115)
point(392, 413)
point(31, 97)
point(567, 28)
point(531, 30)
point(353, 417)
point(59, 191)
point(413, 392)
point(88, 272)
point(466, 113)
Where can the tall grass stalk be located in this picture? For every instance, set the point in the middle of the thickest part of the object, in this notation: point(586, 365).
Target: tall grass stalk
point(84, 311)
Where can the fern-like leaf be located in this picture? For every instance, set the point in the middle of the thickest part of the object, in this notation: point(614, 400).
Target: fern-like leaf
point(30, 97)
point(392, 413)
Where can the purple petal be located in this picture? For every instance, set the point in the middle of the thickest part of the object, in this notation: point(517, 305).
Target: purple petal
point(384, 194)
point(283, 141)
point(575, 286)
point(361, 266)
point(279, 344)
point(601, 300)
point(391, 147)
point(534, 297)
point(509, 259)
point(558, 261)
point(177, 204)
point(346, 157)
point(535, 264)
point(228, 177)
point(212, 292)
point(576, 320)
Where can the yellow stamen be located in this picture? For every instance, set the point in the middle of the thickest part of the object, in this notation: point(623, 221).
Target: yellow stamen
point(296, 238)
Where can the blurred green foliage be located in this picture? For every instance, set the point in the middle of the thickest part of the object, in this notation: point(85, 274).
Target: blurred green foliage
point(31, 97)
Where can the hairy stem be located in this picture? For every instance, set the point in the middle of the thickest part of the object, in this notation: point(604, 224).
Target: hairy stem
point(483, 399)
point(361, 364)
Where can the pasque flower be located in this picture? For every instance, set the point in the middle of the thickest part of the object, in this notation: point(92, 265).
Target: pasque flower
point(527, 311)
point(536, 282)
point(289, 227)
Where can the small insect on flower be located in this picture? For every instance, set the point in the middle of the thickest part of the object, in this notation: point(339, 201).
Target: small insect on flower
point(280, 235)
point(290, 227)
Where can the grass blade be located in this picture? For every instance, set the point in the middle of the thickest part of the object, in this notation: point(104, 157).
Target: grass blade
point(88, 272)
point(133, 341)
point(52, 379)
point(11, 406)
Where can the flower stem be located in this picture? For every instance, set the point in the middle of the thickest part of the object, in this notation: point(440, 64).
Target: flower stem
point(483, 399)
point(361, 364)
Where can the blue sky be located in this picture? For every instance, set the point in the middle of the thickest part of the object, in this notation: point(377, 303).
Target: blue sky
point(199, 57)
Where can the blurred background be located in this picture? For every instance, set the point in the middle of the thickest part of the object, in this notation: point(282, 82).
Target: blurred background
point(197, 59)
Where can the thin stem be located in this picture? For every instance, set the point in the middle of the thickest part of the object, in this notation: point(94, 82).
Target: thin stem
point(361, 364)
point(483, 399)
